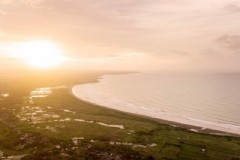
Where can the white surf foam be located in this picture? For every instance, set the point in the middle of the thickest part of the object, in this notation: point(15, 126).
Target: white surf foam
point(88, 92)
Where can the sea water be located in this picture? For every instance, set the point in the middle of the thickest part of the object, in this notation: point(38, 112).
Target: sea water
point(206, 100)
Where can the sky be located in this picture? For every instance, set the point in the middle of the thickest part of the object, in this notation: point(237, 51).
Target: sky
point(141, 35)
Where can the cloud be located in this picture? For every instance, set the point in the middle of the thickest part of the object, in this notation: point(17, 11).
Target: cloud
point(230, 41)
point(3, 12)
point(232, 8)
point(2, 34)
point(6, 1)
point(33, 2)
point(176, 30)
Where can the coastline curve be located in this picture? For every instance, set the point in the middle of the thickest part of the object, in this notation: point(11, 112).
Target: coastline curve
point(87, 92)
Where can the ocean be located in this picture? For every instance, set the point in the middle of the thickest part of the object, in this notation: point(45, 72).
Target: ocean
point(205, 100)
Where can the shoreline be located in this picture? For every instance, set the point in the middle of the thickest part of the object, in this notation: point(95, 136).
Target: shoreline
point(192, 125)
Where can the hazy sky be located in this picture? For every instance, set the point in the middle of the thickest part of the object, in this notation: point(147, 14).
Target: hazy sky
point(192, 35)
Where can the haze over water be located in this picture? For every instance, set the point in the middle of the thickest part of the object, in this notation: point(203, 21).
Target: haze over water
point(198, 99)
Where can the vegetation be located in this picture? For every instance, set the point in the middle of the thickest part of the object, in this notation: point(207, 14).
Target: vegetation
point(46, 129)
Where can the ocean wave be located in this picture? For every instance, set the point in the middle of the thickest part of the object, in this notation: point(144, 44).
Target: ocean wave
point(91, 93)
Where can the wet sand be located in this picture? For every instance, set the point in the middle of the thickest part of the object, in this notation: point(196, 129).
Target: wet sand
point(193, 125)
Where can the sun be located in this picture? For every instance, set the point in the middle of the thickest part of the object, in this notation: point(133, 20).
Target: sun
point(40, 54)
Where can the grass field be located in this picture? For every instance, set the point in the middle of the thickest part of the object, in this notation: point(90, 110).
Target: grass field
point(63, 127)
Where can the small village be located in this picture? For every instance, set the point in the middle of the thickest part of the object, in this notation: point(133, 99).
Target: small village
point(51, 120)
point(34, 115)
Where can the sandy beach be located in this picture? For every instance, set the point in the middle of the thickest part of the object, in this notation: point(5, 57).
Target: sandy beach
point(86, 92)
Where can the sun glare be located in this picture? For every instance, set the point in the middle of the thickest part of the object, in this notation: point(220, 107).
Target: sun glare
point(39, 54)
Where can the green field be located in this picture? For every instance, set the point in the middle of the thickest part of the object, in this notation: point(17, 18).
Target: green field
point(45, 130)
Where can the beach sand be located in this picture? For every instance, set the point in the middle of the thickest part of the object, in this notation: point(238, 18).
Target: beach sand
point(85, 92)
